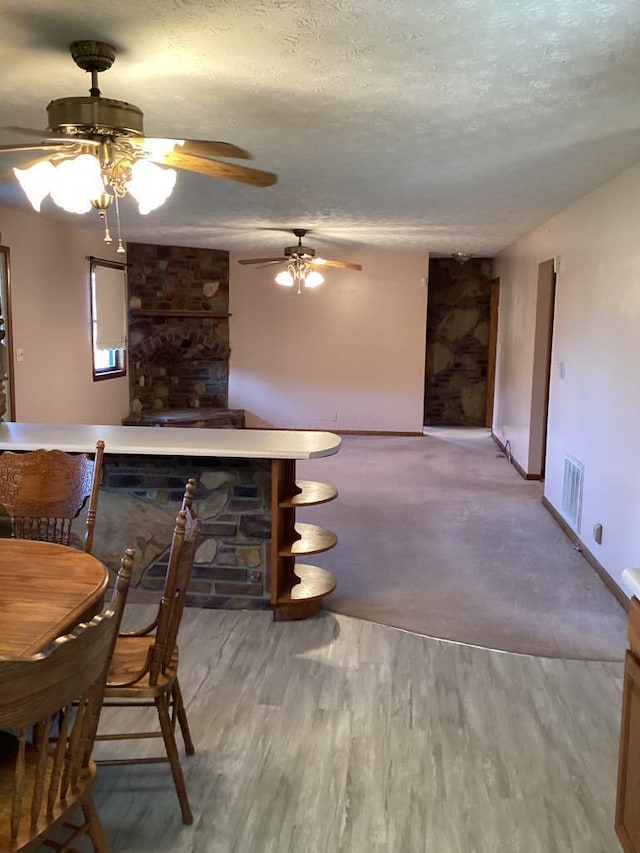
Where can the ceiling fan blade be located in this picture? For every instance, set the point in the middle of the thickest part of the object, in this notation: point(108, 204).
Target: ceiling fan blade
point(325, 262)
point(277, 263)
point(54, 158)
point(263, 260)
point(51, 136)
point(196, 147)
point(217, 169)
point(43, 146)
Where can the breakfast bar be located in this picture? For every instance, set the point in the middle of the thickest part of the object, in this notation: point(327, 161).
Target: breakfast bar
point(248, 466)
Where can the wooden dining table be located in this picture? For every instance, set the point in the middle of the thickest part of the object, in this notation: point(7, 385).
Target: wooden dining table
point(45, 591)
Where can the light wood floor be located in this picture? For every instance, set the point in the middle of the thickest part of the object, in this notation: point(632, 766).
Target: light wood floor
point(336, 735)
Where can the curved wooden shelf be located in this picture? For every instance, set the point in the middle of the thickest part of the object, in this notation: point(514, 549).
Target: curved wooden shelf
point(296, 590)
point(314, 583)
point(304, 599)
point(313, 540)
point(310, 494)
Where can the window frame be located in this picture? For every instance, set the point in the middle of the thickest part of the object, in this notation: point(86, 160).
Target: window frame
point(120, 354)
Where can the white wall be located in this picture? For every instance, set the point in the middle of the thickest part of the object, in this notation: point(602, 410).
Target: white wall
point(50, 309)
point(348, 355)
point(594, 412)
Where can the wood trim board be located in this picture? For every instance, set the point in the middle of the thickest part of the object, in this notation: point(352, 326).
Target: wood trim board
point(515, 462)
point(617, 591)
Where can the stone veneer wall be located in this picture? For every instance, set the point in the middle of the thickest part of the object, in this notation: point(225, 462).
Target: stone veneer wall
point(178, 356)
point(457, 342)
point(139, 500)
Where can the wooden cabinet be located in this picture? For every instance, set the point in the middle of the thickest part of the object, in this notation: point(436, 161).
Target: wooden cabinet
point(628, 803)
point(297, 589)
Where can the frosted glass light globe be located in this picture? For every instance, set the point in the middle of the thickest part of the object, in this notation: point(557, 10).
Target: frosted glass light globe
point(150, 185)
point(284, 278)
point(36, 182)
point(76, 182)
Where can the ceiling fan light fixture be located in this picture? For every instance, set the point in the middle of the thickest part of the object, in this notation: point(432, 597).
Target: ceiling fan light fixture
point(36, 182)
point(97, 152)
point(301, 264)
point(300, 273)
point(150, 185)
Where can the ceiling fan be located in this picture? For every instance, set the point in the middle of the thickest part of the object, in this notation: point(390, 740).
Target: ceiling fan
point(96, 151)
point(303, 268)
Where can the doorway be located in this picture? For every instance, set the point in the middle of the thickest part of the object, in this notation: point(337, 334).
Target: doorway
point(7, 395)
point(457, 342)
point(494, 303)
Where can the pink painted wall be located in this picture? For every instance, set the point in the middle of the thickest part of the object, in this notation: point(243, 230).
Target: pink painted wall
point(348, 355)
point(594, 405)
point(52, 320)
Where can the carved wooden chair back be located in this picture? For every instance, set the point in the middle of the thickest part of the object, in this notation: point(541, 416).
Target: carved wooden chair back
point(181, 557)
point(144, 669)
point(44, 490)
point(58, 695)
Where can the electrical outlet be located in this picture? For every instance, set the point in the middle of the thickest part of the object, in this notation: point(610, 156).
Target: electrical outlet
point(19, 354)
point(334, 417)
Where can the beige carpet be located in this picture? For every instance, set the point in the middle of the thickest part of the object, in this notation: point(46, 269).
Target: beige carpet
point(439, 536)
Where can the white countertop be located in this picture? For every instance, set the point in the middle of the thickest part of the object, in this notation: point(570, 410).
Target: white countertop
point(170, 441)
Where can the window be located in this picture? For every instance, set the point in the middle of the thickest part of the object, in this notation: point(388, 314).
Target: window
point(108, 319)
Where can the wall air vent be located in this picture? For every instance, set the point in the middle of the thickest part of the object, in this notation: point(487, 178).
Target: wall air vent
point(572, 492)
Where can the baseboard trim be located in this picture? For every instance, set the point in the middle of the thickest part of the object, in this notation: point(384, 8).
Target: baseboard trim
point(515, 462)
point(377, 432)
point(617, 591)
point(345, 431)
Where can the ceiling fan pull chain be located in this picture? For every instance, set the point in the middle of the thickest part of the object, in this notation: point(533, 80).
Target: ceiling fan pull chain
point(107, 233)
point(120, 250)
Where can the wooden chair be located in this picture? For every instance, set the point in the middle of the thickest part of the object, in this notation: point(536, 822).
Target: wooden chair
point(56, 695)
point(144, 669)
point(44, 490)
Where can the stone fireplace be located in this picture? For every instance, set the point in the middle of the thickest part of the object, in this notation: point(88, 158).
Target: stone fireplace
point(178, 376)
point(179, 336)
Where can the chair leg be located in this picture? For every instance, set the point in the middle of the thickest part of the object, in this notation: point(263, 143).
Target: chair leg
point(94, 826)
point(178, 704)
point(162, 704)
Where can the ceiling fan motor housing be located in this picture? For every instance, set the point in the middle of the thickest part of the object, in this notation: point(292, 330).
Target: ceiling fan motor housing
point(82, 116)
point(299, 251)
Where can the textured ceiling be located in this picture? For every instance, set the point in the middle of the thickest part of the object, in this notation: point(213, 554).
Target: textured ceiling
point(447, 125)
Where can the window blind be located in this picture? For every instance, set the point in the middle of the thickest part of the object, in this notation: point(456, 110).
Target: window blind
point(111, 307)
